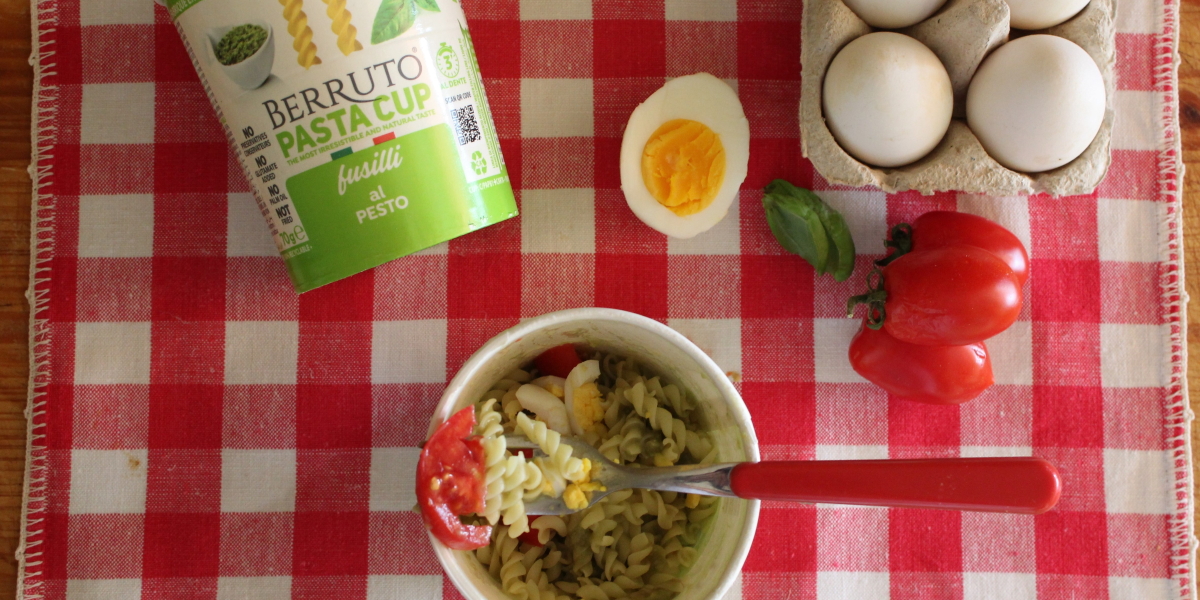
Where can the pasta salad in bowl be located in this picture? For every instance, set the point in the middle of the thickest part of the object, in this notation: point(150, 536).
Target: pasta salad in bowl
point(636, 390)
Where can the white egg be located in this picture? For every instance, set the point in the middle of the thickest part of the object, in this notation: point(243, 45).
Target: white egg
point(1040, 14)
point(1036, 103)
point(887, 99)
point(894, 14)
point(687, 176)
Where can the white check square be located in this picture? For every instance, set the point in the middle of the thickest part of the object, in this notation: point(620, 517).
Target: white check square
point(1141, 587)
point(260, 352)
point(117, 113)
point(556, 10)
point(409, 587)
point(1133, 356)
point(116, 226)
point(556, 108)
point(999, 586)
point(108, 481)
point(725, 238)
point(1138, 482)
point(720, 339)
point(831, 337)
point(560, 221)
point(248, 234)
point(258, 480)
point(103, 589)
point(1011, 352)
point(393, 471)
point(701, 10)
point(254, 588)
point(121, 12)
point(107, 353)
point(865, 213)
point(834, 585)
point(409, 351)
point(1011, 212)
point(1138, 125)
point(1129, 230)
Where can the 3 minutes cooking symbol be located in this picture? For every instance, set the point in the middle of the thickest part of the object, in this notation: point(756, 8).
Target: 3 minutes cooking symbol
point(447, 61)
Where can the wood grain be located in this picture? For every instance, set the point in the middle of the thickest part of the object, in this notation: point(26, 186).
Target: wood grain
point(16, 79)
point(16, 82)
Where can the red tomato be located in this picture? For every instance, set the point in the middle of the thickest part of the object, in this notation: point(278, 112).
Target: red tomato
point(450, 483)
point(949, 296)
point(557, 361)
point(943, 228)
point(531, 537)
point(929, 374)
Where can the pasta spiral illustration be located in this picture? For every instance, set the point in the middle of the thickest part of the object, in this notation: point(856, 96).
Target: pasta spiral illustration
point(347, 39)
point(302, 35)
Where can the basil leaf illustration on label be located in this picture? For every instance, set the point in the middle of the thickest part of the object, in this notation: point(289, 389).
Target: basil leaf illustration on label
point(429, 5)
point(393, 18)
point(808, 227)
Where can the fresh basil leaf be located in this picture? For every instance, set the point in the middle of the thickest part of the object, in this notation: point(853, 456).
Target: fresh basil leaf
point(797, 227)
point(805, 225)
point(393, 18)
point(841, 254)
point(429, 5)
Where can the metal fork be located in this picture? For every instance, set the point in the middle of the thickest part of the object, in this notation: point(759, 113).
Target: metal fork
point(1023, 485)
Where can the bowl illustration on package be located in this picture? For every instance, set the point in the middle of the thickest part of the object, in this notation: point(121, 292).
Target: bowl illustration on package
point(245, 52)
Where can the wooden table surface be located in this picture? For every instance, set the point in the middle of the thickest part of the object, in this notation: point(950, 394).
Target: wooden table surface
point(16, 77)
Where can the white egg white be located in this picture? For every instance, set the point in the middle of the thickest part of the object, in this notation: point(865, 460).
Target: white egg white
point(704, 99)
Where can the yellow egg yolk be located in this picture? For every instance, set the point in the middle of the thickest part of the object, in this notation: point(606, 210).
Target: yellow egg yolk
point(588, 410)
point(683, 166)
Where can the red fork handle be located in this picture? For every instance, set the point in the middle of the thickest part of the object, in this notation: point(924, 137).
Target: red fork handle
point(1014, 485)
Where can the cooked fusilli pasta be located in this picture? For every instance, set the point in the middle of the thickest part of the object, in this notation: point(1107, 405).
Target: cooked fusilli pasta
point(635, 544)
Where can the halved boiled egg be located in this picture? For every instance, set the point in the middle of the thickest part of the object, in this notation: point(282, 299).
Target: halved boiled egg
point(684, 155)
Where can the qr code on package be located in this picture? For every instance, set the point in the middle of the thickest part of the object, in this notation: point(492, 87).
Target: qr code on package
point(465, 125)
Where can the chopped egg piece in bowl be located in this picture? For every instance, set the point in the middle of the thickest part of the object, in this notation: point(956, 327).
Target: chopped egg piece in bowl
point(684, 155)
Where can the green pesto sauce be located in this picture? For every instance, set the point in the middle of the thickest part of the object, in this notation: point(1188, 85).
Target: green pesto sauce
point(240, 43)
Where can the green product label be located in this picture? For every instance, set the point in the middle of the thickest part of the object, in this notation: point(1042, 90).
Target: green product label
point(386, 201)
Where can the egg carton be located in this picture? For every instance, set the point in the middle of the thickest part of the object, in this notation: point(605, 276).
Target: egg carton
point(961, 34)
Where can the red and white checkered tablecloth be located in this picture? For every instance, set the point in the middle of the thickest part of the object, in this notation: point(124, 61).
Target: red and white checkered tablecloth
point(200, 431)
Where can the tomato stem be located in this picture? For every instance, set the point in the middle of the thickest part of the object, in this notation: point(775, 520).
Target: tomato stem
point(899, 242)
point(874, 298)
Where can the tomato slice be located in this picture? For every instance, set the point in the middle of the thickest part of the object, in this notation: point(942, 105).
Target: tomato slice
point(949, 296)
point(944, 228)
point(557, 361)
point(928, 374)
point(450, 482)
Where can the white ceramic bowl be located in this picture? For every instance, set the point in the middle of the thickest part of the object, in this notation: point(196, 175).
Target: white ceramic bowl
point(661, 349)
point(252, 72)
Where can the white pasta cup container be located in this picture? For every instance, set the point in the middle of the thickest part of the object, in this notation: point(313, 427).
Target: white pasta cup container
point(723, 549)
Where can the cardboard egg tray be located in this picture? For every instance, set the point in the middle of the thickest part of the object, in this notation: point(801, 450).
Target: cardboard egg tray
point(961, 34)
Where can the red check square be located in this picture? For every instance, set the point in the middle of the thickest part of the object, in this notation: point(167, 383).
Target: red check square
point(704, 287)
point(113, 289)
point(793, 535)
point(103, 546)
point(556, 49)
point(256, 544)
point(181, 545)
point(390, 554)
point(629, 48)
point(1072, 543)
